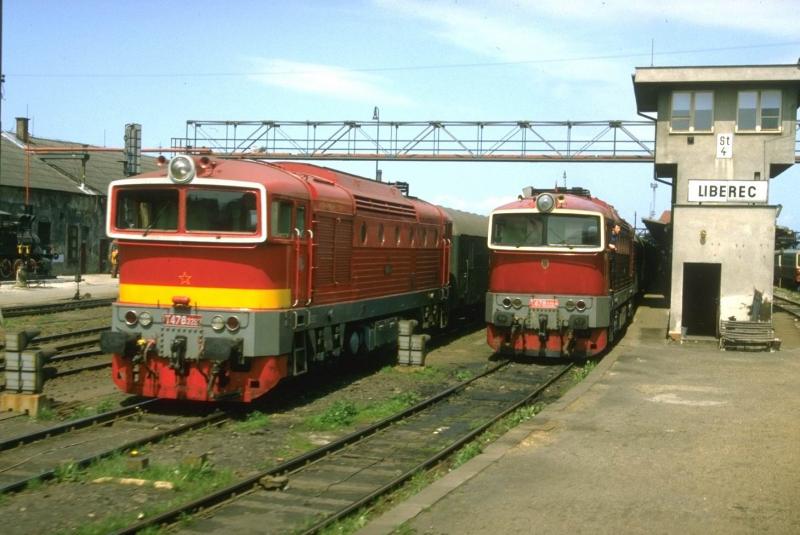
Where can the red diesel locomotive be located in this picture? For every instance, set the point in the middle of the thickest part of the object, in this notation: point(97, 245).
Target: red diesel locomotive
point(235, 274)
point(562, 277)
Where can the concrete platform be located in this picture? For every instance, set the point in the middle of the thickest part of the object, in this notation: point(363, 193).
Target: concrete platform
point(660, 438)
point(60, 288)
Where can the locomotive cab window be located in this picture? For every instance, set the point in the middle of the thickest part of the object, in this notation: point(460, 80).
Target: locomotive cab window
point(545, 230)
point(151, 209)
point(281, 219)
point(221, 211)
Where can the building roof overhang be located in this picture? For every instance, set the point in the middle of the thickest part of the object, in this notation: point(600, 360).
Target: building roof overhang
point(649, 81)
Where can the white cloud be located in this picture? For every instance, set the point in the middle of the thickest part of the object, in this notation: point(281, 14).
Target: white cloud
point(577, 40)
point(325, 80)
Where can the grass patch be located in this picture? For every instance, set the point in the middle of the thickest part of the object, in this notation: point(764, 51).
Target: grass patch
point(346, 413)
point(255, 420)
point(462, 375)
point(190, 482)
point(391, 406)
point(340, 414)
point(580, 373)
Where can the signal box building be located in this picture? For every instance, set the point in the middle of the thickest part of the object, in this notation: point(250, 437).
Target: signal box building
point(721, 134)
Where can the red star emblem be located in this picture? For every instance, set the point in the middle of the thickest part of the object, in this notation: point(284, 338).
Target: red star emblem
point(185, 278)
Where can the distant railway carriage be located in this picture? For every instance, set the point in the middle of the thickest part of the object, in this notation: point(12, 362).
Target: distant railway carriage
point(562, 281)
point(787, 268)
point(236, 274)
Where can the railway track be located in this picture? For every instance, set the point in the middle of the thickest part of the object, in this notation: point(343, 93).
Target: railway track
point(787, 301)
point(307, 493)
point(49, 308)
point(38, 455)
point(70, 347)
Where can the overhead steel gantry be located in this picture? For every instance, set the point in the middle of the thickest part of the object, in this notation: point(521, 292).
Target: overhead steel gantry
point(497, 141)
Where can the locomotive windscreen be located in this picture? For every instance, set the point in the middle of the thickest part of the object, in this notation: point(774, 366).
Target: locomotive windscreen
point(533, 229)
point(147, 209)
point(207, 210)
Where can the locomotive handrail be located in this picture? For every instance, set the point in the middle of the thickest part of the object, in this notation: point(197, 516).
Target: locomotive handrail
point(297, 236)
point(446, 261)
point(310, 265)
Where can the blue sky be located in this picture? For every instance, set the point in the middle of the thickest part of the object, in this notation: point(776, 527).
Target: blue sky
point(83, 69)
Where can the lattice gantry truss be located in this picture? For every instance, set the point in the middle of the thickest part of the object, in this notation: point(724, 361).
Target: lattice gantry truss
point(557, 141)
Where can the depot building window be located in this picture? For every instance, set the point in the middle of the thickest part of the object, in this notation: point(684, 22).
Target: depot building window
point(692, 111)
point(758, 111)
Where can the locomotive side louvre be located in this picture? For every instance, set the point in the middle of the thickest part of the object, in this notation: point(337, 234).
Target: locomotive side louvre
point(238, 274)
point(562, 281)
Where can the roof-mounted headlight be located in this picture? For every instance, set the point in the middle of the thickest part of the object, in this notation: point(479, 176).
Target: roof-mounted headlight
point(181, 169)
point(545, 202)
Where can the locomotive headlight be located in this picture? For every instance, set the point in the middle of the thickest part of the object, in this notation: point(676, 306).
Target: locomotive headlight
point(217, 323)
point(516, 302)
point(232, 324)
point(181, 169)
point(506, 302)
point(580, 305)
point(569, 305)
point(545, 202)
point(145, 319)
point(131, 318)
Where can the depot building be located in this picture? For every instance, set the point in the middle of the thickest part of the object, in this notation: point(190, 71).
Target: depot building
point(722, 133)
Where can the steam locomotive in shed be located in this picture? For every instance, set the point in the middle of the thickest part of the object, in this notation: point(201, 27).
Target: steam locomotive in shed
point(563, 274)
point(235, 274)
point(20, 246)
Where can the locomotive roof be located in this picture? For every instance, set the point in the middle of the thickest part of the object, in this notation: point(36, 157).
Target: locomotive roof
point(570, 202)
point(303, 180)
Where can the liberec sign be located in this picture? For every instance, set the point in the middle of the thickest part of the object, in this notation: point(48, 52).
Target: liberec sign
point(726, 191)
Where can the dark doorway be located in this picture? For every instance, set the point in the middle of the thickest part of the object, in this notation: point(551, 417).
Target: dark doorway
point(701, 284)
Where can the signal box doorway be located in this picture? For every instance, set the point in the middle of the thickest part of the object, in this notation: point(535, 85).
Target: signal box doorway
point(701, 291)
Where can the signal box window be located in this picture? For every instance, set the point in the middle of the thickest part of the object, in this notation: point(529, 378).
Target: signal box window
point(152, 209)
point(692, 111)
point(221, 211)
point(758, 111)
point(281, 219)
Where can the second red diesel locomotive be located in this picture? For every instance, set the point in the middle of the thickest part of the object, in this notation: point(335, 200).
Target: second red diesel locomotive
point(235, 274)
point(562, 278)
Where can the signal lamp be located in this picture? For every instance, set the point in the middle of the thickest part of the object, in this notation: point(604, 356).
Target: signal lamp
point(545, 202)
point(569, 305)
point(131, 318)
point(145, 319)
point(506, 302)
point(580, 305)
point(232, 324)
point(517, 302)
point(217, 323)
point(181, 169)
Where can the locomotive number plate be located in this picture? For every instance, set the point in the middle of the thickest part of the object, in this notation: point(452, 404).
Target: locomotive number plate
point(182, 320)
point(543, 303)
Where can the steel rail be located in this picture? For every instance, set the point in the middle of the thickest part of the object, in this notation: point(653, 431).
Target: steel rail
point(32, 310)
point(295, 463)
point(467, 437)
point(298, 463)
point(74, 424)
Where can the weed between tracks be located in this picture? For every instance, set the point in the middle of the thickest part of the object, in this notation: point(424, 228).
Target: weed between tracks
point(189, 480)
point(344, 413)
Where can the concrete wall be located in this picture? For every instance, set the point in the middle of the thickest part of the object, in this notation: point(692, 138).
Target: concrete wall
point(740, 239)
point(753, 152)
